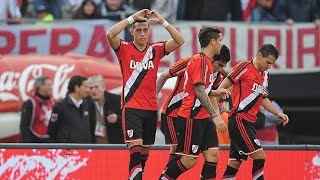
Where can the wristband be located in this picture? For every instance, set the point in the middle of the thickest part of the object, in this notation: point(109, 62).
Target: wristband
point(165, 24)
point(130, 20)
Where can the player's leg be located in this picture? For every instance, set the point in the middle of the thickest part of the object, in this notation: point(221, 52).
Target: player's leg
point(243, 137)
point(149, 126)
point(234, 163)
point(258, 164)
point(188, 147)
point(237, 144)
point(132, 132)
point(169, 129)
point(209, 150)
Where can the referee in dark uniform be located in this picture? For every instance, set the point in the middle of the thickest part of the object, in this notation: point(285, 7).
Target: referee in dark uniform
point(70, 120)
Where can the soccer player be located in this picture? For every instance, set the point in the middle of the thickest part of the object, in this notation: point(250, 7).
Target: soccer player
point(170, 109)
point(139, 61)
point(197, 118)
point(250, 82)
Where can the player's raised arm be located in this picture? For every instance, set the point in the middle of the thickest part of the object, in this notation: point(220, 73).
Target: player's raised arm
point(177, 38)
point(266, 103)
point(112, 33)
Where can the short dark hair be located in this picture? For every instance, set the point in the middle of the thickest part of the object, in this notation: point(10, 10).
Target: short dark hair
point(75, 81)
point(138, 21)
point(208, 33)
point(40, 82)
point(224, 55)
point(268, 49)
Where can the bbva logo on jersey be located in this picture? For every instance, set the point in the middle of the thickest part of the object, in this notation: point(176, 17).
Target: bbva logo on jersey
point(259, 89)
point(141, 65)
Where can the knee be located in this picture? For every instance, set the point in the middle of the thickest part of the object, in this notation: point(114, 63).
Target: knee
point(211, 155)
point(146, 149)
point(189, 161)
point(134, 143)
point(234, 164)
point(258, 155)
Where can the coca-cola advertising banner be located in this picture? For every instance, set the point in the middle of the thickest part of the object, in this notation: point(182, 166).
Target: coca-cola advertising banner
point(18, 74)
point(298, 45)
point(113, 164)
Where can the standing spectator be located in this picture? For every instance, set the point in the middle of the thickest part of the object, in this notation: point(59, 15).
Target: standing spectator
point(76, 4)
point(44, 16)
point(139, 61)
point(268, 133)
point(87, 10)
point(54, 6)
point(167, 8)
point(247, 6)
point(9, 12)
point(250, 83)
point(262, 12)
point(291, 11)
point(115, 10)
point(105, 110)
point(70, 119)
point(36, 112)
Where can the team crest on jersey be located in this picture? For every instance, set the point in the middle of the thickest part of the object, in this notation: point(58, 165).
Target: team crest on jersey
point(130, 133)
point(194, 148)
point(257, 142)
point(149, 55)
point(54, 117)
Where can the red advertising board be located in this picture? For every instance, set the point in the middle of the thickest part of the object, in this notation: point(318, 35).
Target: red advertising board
point(113, 164)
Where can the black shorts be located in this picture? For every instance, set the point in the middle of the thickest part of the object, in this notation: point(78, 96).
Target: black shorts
point(195, 136)
point(169, 128)
point(243, 138)
point(139, 125)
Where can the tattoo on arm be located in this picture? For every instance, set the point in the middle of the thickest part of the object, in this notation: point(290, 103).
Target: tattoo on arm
point(205, 101)
point(160, 83)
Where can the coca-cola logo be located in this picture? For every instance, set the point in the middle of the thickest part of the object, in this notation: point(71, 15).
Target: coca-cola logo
point(15, 86)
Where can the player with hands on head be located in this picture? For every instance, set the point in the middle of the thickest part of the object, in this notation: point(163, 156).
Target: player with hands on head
point(139, 62)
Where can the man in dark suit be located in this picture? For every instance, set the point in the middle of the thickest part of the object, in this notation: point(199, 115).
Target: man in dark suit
point(106, 113)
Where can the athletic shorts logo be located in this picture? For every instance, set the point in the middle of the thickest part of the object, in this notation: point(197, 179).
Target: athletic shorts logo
point(194, 148)
point(257, 142)
point(130, 133)
point(54, 117)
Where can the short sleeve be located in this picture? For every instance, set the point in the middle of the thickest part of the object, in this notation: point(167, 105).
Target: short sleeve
point(218, 80)
point(122, 49)
point(237, 72)
point(160, 48)
point(178, 68)
point(198, 71)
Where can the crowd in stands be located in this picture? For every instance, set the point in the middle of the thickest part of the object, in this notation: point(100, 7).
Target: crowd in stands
point(289, 11)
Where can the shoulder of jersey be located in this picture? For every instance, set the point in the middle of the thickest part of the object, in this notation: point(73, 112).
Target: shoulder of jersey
point(158, 43)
